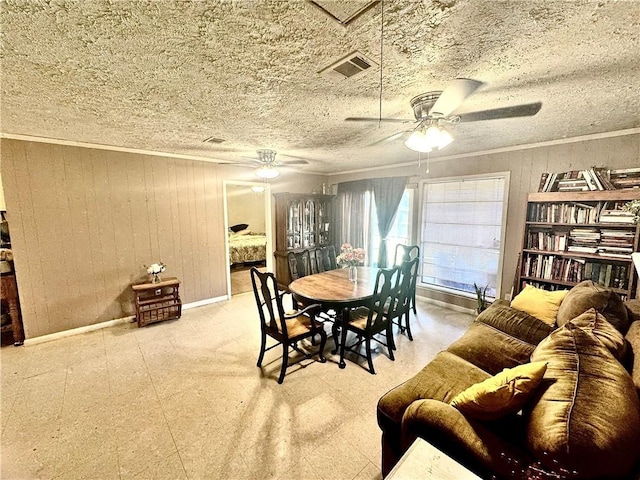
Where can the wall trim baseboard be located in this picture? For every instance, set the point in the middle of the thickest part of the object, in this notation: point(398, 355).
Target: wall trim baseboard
point(109, 323)
point(206, 301)
point(450, 306)
point(77, 331)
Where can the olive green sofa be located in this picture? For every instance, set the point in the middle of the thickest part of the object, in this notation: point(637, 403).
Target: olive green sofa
point(582, 422)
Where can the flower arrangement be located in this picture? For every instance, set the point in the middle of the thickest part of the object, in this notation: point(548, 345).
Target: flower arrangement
point(349, 256)
point(633, 207)
point(156, 269)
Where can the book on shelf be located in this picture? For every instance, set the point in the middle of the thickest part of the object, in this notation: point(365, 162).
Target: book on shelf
point(544, 179)
point(625, 177)
point(591, 179)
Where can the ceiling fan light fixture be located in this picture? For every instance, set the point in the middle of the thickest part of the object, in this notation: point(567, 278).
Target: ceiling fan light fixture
point(428, 139)
point(417, 143)
point(257, 189)
point(267, 172)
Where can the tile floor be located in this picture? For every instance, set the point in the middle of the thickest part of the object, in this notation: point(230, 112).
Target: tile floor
point(183, 399)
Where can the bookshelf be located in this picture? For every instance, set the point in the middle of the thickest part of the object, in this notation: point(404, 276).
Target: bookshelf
point(574, 236)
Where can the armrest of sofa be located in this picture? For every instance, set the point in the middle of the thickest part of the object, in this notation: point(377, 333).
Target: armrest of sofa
point(473, 444)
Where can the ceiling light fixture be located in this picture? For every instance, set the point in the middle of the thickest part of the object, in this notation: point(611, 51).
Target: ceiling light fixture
point(427, 137)
point(268, 158)
point(267, 171)
point(257, 189)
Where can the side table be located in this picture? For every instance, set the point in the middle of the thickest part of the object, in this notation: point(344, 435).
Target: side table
point(156, 302)
point(423, 460)
point(9, 290)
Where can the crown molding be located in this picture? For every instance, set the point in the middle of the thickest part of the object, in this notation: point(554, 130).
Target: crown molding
point(560, 141)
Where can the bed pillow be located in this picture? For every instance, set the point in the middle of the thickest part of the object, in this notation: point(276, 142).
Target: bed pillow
point(502, 394)
point(539, 303)
point(238, 227)
point(244, 232)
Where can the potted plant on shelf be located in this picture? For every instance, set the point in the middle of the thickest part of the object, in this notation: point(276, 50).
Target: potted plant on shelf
point(481, 297)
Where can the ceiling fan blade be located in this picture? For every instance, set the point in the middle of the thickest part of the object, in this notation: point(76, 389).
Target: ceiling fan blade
point(300, 161)
point(389, 138)
point(524, 110)
point(453, 96)
point(252, 159)
point(374, 119)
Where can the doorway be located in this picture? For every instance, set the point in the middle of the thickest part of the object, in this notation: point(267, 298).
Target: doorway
point(247, 220)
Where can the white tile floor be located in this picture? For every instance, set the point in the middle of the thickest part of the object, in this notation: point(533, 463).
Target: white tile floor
point(184, 400)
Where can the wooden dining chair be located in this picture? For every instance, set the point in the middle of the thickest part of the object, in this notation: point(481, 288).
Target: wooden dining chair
point(302, 264)
point(405, 253)
point(326, 257)
point(401, 308)
point(373, 320)
point(299, 264)
point(287, 329)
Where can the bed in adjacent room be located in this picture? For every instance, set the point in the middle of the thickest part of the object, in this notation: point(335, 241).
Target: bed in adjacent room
point(246, 247)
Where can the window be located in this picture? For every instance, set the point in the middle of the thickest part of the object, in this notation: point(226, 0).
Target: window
point(400, 230)
point(463, 224)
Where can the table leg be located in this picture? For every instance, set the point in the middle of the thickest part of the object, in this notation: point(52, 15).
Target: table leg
point(343, 339)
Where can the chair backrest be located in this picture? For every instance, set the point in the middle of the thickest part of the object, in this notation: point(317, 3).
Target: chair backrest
point(384, 296)
point(408, 274)
point(326, 257)
point(404, 253)
point(268, 301)
point(299, 264)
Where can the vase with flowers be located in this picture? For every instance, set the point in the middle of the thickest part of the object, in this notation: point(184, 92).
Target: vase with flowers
point(155, 269)
point(350, 258)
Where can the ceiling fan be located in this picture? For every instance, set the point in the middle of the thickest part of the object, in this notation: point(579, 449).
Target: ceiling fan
point(268, 163)
point(434, 109)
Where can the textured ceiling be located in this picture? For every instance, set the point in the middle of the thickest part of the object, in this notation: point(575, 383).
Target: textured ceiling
point(164, 75)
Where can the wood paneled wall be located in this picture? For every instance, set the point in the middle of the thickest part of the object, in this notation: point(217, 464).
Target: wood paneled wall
point(84, 223)
point(525, 167)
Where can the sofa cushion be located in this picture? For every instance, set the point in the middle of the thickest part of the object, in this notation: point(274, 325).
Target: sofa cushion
point(502, 394)
point(593, 322)
point(515, 323)
point(585, 417)
point(491, 349)
point(589, 294)
point(539, 303)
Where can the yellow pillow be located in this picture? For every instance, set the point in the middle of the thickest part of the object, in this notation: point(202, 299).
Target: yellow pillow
point(501, 394)
point(539, 303)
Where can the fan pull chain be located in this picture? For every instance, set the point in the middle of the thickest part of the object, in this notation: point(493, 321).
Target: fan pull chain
point(427, 163)
point(381, 49)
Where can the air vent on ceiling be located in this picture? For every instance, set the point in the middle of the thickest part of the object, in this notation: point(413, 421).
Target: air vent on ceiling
point(213, 140)
point(349, 65)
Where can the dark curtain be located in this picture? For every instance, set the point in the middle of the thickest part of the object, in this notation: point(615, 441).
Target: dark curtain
point(387, 193)
point(350, 206)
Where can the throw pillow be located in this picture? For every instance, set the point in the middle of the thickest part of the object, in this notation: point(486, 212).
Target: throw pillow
point(539, 303)
point(593, 322)
point(585, 417)
point(238, 227)
point(589, 294)
point(501, 394)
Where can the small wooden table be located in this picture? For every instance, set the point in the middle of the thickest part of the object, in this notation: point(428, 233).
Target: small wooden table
point(156, 302)
point(333, 290)
point(423, 460)
point(9, 290)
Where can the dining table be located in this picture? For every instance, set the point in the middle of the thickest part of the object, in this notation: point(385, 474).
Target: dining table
point(334, 291)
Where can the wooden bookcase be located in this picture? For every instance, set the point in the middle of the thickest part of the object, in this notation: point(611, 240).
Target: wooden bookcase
point(303, 222)
point(567, 240)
